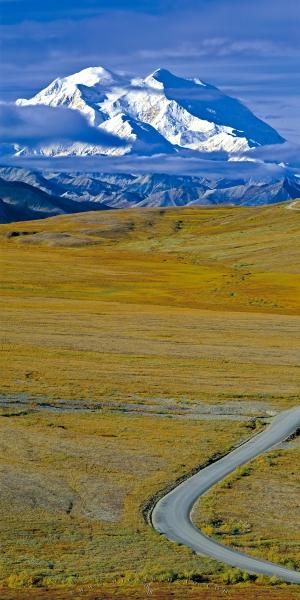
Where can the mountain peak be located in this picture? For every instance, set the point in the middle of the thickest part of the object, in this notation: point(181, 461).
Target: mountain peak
point(166, 78)
point(92, 76)
point(161, 73)
point(169, 79)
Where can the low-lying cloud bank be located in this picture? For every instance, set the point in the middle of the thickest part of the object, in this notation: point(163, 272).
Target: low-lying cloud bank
point(179, 164)
point(33, 126)
point(287, 153)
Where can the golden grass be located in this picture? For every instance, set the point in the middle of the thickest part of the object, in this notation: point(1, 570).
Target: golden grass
point(72, 490)
point(162, 591)
point(143, 310)
point(257, 509)
point(240, 259)
point(117, 353)
point(135, 310)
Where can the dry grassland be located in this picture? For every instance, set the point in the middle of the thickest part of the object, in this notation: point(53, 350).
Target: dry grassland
point(72, 490)
point(257, 508)
point(144, 310)
point(178, 313)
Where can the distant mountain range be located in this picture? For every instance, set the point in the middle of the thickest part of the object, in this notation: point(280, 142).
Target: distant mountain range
point(28, 194)
point(161, 113)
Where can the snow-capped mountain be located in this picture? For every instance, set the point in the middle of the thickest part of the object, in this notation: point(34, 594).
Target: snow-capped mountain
point(162, 113)
point(156, 117)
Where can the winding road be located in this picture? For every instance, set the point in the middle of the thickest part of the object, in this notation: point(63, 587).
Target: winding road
point(172, 515)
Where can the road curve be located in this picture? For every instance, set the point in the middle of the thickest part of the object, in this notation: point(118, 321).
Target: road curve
point(172, 513)
point(295, 205)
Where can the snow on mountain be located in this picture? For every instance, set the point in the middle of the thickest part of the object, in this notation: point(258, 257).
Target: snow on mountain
point(159, 114)
point(83, 91)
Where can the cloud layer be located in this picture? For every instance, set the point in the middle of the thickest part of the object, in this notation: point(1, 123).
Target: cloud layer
point(180, 164)
point(35, 125)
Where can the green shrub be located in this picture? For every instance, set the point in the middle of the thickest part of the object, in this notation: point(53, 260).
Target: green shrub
point(24, 579)
point(235, 576)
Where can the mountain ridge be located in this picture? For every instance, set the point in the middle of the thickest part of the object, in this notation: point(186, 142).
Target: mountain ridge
point(21, 201)
point(47, 193)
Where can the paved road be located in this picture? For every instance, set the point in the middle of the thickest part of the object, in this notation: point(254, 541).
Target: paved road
point(294, 205)
point(172, 514)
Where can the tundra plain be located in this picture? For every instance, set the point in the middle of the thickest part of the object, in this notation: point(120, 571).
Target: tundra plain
point(135, 346)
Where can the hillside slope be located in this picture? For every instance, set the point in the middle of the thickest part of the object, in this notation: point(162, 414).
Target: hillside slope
point(21, 201)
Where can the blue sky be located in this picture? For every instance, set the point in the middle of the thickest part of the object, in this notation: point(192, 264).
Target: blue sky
point(249, 48)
